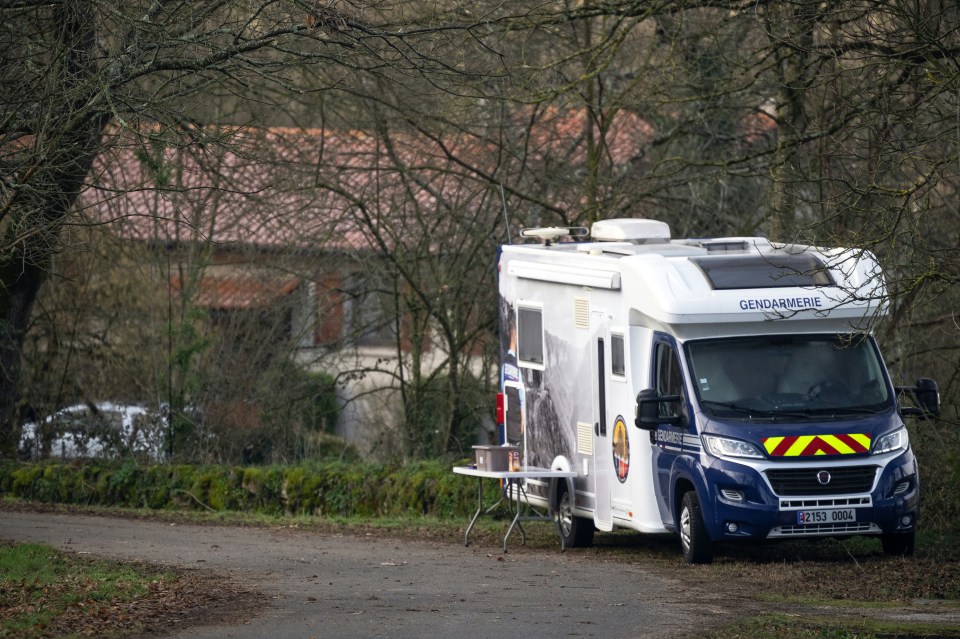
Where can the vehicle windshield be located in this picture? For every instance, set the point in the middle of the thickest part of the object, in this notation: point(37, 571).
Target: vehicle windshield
point(788, 376)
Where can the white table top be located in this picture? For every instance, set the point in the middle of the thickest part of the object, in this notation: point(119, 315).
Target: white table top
point(529, 472)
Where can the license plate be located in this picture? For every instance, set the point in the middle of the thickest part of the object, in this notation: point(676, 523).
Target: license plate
point(826, 516)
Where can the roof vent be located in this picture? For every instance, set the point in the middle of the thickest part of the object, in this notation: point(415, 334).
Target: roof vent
point(630, 230)
point(551, 234)
point(726, 246)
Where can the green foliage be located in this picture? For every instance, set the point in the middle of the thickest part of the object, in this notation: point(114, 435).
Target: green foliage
point(440, 420)
point(935, 444)
point(188, 345)
point(331, 488)
point(319, 410)
point(336, 487)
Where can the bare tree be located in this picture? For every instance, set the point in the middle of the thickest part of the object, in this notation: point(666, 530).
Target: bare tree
point(823, 123)
point(82, 76)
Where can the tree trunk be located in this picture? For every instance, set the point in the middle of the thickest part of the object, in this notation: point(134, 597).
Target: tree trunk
point(794, 45)
point(52, 171)
point(25, 267)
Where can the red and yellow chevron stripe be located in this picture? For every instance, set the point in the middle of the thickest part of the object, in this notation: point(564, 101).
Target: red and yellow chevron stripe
point(806, 445)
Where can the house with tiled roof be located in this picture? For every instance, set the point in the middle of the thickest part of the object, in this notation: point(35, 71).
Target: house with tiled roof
point(290, 221)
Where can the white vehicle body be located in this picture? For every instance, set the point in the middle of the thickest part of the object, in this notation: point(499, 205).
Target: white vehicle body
point(100, 430)
point(586, 326)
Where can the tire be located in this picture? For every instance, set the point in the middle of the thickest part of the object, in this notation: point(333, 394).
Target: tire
point(898, 544)
point(575, 532)
point(694, 540)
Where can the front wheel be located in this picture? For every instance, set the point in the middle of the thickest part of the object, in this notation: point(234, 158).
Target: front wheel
point(694, 540)
point(575, 532)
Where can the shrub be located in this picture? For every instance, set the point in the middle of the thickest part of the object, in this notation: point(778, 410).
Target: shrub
point(332, 488)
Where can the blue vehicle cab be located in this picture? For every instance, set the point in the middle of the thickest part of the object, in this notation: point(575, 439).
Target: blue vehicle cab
point(783, 435)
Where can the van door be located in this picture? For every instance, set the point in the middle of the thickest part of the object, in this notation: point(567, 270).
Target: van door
point(602, 446)
point(672, 440)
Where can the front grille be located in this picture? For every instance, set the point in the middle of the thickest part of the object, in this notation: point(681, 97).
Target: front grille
point(803, 481)
point(850, 528)
point(826, 502)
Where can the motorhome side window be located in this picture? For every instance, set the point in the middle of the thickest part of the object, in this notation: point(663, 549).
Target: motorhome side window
point(530, 335)
point(618, 364)
point(669, 379)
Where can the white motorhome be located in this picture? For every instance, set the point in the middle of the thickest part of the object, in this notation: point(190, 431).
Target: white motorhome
point(721, 389)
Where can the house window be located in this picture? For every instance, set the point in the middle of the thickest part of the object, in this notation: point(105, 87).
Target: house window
point(530, 336)
point(303, 315)
point(618, 364)
point(368, 319)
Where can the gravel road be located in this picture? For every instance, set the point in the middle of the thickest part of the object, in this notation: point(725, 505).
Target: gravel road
point(331, 585)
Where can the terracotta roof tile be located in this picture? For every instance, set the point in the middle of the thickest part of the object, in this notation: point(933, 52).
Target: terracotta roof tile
point(305, 188)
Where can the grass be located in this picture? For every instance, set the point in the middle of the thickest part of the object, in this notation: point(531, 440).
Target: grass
point(796, 626)
point(841, 589)
point(46, 593)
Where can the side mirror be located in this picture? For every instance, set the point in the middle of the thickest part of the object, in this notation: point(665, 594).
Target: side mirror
point(648, 409)
point(649, 415)
point(926, 396)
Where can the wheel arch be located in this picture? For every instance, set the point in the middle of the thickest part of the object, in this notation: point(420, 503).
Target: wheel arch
point(561, 463)
point(681, 486)
point(687, 476)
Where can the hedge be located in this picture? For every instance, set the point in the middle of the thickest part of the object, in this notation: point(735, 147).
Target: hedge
point(324, 488)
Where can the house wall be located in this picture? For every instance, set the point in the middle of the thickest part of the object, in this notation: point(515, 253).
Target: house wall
point(371, 406)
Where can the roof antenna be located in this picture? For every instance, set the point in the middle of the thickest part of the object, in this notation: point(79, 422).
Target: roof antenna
point(506, 218)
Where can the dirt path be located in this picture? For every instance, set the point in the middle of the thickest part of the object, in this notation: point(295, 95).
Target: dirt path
point(329, 585)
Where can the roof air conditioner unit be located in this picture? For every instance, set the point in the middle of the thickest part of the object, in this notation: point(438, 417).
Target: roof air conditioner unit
point(630, 230)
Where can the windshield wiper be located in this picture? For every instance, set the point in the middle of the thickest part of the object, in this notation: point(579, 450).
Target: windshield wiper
point(764, 413)
point(843, 410)
point(731, 406)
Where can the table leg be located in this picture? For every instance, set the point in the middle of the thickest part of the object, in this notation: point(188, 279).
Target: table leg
point(515, 483)
point(466, 537)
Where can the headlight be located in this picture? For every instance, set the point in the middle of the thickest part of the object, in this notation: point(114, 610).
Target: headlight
point(724, 447)
point(896, 440)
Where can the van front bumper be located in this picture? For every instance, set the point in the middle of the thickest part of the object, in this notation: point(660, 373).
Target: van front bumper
point(744, 504)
